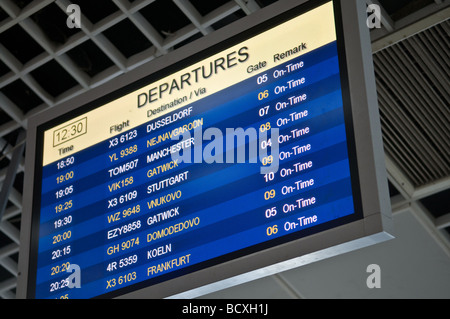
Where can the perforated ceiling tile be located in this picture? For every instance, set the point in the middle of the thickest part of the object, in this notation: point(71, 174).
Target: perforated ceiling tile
point(20, 44)
point(3, 69)
point(228, 19)
point(4, 118)
point(3, 15)
point(167, 24)
point(52, 21)
point(22, 3)
point(53, 78)
point(89, 58)
point(401, 8)
point(438, 204)
point(126, 37)
point(21, 95)
point(205, 7)
point(96, 10)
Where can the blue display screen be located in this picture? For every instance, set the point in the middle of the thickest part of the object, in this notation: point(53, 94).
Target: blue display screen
point(252, 165)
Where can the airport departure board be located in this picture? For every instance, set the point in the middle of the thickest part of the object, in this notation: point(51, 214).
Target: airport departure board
point(236, 150)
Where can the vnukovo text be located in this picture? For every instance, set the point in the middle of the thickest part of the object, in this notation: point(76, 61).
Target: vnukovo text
point(235, 145)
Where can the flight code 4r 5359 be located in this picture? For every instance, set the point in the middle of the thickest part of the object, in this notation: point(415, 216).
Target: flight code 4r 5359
point(122, 263)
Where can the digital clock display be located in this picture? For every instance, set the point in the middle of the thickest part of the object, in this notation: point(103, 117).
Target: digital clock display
point(69, 132)
point(242, 148)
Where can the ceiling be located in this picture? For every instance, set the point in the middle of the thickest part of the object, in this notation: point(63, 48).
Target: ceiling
point(44, 63)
